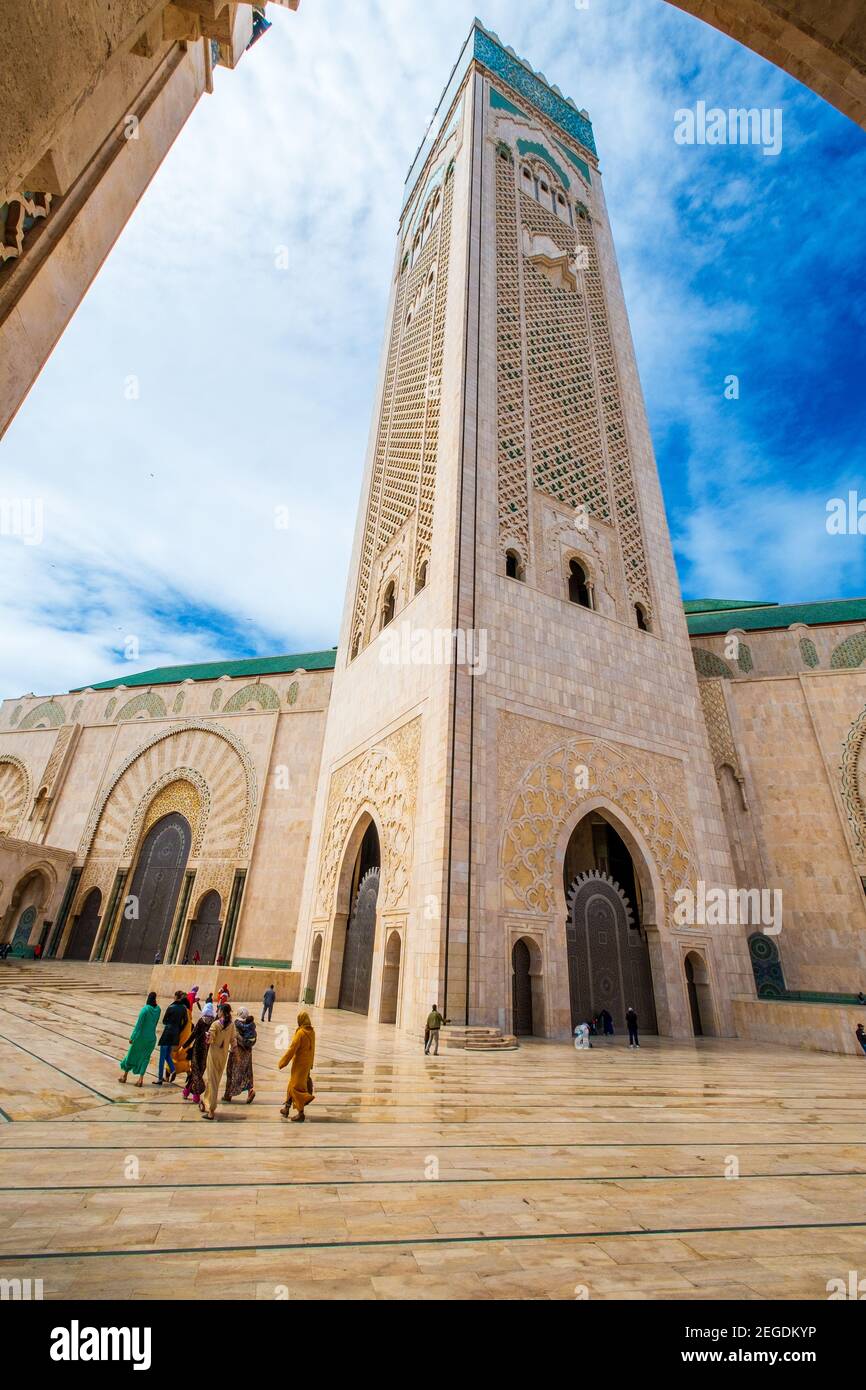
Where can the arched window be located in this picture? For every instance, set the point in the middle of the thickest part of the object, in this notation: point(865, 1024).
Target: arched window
point(578, 588)
point(545, 197)
point(640, 615)
point(388, 604)
point(513, 565)
point(421, 579)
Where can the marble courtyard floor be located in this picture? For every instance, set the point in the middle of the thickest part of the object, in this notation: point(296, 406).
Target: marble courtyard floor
point(541, 1173)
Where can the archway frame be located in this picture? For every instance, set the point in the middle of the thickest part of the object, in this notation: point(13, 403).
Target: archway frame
point(534, 935)
point(333, 947)
point(704, 956)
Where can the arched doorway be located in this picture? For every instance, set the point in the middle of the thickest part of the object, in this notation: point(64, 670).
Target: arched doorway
point(313, 975)
point(154, 892)
point(700, 996)
point(357, 968)
point(26, 909)
point(84, 928)
point(390, 979)
point(521, 990)
point(204, 932)
point(607, 950)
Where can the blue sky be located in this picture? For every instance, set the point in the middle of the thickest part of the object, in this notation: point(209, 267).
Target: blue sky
point(255, 382)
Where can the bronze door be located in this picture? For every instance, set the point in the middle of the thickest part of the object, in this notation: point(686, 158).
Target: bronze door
point(84, 930)
point(358, 951)
point(521, 990)
point(204, 933)
point(154, 892)
point(608, 960)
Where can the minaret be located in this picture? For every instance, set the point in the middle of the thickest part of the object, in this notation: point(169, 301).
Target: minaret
point(516, 782)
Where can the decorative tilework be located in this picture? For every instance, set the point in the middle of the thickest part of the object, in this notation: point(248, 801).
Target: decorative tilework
point(708, 664)
point(262, 695)
point(533, 89)
point(744, 657)
point(848, 654)
point(153, 704)
point(49, 711)
point(292, 695)
point(532, 147)
point(809, 653)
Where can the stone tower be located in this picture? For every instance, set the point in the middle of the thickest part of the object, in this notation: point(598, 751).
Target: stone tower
point(515, 777)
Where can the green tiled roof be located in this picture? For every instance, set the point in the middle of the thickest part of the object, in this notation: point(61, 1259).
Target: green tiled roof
point(212, 670)
point(713, 605)
point(773, 615)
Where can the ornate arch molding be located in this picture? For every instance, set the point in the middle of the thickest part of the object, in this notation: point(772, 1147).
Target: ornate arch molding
point(383, 781)
point(176, 730)
point(549, 795)
point(154, 805)
point(852, 797)
point(16, 791)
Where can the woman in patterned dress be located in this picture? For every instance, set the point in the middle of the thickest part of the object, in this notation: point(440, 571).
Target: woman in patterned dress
point(239, 1072)
point(196, 1051)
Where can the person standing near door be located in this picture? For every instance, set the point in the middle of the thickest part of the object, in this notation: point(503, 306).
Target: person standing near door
point(631, 1024)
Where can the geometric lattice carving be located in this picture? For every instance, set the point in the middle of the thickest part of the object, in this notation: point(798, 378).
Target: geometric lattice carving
point(848, 654)
point(149, 702)
point(851, 787)
point(262, 695)
point(708, 664)
point(550, 794)
point(14, 793)
point(404, 463)
point(566, 414)
point(744, 657)
point(513, 499)
point(383, 779)
point(722, 746)
point(809, 653)
point(50, 713)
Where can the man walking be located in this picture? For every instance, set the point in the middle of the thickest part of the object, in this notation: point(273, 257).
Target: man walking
point(268, 998)
point(860, 1035)
point(631, 1022)
point(431, 1031)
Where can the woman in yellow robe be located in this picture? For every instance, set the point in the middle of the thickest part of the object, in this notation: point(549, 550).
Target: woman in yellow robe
point(301, 1053)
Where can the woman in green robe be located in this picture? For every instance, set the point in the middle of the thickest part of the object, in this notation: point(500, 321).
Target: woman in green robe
point(142, 1041)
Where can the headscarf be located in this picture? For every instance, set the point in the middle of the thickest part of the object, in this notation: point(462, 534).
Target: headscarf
point(243, 1013)
point(304, 1021)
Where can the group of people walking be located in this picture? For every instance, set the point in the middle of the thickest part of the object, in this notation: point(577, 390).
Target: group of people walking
point(205, 1047)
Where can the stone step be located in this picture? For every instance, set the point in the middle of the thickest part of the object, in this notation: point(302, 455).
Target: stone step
point(476, 1038)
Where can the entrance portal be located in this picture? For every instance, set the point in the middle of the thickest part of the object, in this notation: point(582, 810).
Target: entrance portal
point(521, 990)
point(357, 968)
point(608, 956)
point(84, 931)
point(154, 892)
point(700, 996)
point(204, 932)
